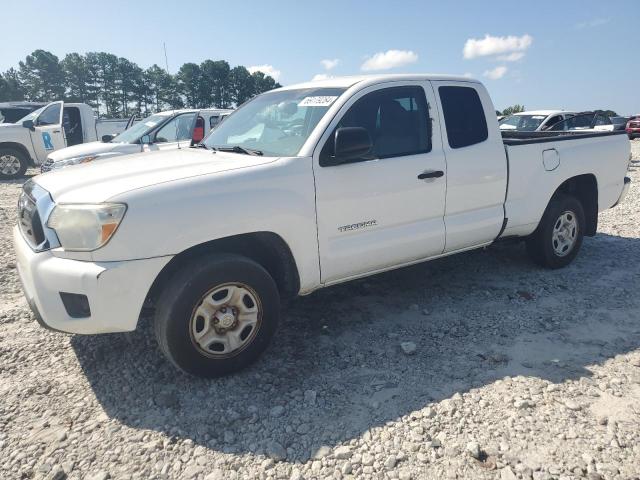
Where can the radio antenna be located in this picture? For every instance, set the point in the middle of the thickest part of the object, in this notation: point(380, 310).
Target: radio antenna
point(166, 61)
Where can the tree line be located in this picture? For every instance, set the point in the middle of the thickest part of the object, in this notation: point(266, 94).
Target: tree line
point(117, 87)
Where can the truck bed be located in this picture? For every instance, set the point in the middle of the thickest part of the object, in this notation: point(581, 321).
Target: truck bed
point(539, 162)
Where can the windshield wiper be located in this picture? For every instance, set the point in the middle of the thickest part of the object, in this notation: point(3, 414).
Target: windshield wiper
point(239, 149)
point(199, 145)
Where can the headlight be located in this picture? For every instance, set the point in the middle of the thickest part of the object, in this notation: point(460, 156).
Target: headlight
point(73, 161)
point(85, 227)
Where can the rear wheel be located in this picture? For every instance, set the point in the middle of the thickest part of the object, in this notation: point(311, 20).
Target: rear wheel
point(217, 315)
point(558, 238)
point(13, 163)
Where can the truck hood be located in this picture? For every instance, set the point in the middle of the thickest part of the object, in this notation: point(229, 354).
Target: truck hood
point(99, 181)
point(9, 130)
point(82, 150)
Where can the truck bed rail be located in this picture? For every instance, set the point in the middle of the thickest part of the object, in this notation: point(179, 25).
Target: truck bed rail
point(523, 138)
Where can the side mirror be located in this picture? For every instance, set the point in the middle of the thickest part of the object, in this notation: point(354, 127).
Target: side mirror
point(145, 139)
point(28, 124)
point(108, 138)
point(351, 143)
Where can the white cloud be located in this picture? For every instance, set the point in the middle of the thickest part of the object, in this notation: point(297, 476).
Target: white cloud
point(512, 57)
point(596, 22)
point(490, 45)
point(330, 64)
point(389, 59)
point(496, 73)
point(321, 76)
point(267, 70)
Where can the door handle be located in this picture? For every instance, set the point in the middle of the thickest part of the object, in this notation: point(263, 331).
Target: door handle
point(56, 131)
point(431, 174)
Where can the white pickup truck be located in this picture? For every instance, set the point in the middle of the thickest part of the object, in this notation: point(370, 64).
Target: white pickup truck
point(302, 187)
point(162, 131)
point(52, 127)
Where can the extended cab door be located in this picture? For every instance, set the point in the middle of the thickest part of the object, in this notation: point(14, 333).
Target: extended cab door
point(47, 135)
point(387, 208)
point(476, 164)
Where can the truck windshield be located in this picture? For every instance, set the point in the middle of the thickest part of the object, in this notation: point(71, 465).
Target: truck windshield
point(275, 123)
point(133, 134)
point(522, 123)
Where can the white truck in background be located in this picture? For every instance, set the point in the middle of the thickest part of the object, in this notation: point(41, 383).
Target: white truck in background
point(301, 188)
point(162, 131)
point(534, 120)
point(52, 127)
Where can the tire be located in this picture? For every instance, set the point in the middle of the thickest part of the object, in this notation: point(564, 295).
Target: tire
point(227, 299)
point(556, 250)
point(13, 163)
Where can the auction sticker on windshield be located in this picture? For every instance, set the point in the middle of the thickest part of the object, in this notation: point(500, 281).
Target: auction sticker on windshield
point(318, 101)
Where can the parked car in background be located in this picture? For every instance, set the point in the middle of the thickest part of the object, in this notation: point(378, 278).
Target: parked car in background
point(302, 187)
point(619, 123)
point(584, 121)
point(52, 127)
point(533, 121)
point(633, 127)
point(11, 112)
point(161, 131)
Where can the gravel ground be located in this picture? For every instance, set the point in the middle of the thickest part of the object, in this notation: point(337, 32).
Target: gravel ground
point(475, 366)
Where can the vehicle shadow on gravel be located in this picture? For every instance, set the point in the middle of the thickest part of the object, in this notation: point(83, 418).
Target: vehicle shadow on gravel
point(336, 369)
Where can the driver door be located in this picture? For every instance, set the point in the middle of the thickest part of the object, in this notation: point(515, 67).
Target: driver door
point(47, 135)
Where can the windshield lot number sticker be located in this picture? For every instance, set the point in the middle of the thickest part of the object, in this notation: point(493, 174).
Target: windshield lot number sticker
point(321, 101)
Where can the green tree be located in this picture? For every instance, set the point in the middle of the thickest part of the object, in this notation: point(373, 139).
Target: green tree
point(240, 85)
point(41, 77)
point(10, 87)
point(164, 89)
point(77, 78)
point(189, 81)
point(214, 84)
point(513, 109)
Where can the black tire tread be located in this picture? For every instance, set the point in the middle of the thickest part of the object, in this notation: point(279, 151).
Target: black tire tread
point(182, 280)
point(538, 244)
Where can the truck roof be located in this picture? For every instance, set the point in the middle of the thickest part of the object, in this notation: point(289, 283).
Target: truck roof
point(346, 82)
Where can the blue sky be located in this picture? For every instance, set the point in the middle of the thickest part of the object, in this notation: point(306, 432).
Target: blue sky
point(544, 54)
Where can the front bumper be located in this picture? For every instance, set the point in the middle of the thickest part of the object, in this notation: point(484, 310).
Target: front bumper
point(115, 290)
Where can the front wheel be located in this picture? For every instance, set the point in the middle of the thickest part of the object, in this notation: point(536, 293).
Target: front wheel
point(13, 163)
point(217, 314)
point(558, 238)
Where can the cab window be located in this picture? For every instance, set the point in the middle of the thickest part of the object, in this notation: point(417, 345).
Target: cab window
point(177, 129)
point(397, 119)
point(51, 115)
point(463, 116)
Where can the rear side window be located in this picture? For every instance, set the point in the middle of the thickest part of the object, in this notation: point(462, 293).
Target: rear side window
point(463, 116)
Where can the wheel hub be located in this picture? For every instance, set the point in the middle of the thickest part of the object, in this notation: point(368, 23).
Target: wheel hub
point(9, 164)
point(226, 319)
point(565, 233)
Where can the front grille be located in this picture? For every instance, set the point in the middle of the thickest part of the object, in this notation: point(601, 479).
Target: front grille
point(46, 166)
point(634, 125)
point(34, 206)
point(29, 220)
